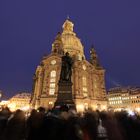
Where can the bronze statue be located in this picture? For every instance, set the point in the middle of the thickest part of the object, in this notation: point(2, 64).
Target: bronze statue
point(66, 68)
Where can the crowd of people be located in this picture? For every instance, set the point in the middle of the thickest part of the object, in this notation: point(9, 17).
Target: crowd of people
point(66, 124)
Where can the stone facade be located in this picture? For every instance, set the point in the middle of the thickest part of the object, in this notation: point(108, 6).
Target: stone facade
point(87, 76)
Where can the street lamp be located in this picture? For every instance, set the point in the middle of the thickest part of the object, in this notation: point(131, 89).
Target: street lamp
point(0, 94)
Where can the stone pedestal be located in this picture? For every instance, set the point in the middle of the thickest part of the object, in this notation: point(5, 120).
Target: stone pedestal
point(64, 96)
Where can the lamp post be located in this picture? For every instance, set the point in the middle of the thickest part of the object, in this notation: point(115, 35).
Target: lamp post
point(0, 95)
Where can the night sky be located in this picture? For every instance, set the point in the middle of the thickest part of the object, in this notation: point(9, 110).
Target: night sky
point(28, 28)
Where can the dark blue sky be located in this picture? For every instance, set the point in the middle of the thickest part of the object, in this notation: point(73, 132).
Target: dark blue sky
point(28, 28)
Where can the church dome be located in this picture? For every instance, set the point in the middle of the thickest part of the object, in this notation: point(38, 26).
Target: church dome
point(71, 43)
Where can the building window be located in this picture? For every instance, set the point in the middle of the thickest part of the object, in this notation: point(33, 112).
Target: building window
point(53, 74)
point(50, 103)
point(52, 82)
point(84, 83)
point(52, 91)
point(84, 89)
point(52, 85)
point(95, 85)
point(84, 80)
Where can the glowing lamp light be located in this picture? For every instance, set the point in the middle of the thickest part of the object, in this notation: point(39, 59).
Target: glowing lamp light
point(25, 108)
point(0, 95)
point(131, 113)
point(104, 107)
point(118, 109)
point(12, 106)
point(4, 102)
point(80, 108)
point(50, 103)
point(138, 109)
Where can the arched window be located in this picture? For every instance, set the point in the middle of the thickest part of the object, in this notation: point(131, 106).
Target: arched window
point(84, 86)
point(84, 80)
point(52, 82)
point(53, 73)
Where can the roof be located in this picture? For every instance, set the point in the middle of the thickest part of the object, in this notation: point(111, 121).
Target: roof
point(128, 89)
point(22, 95)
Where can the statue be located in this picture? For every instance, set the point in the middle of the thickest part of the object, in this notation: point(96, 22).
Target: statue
point(65, 96)
point(66, 68)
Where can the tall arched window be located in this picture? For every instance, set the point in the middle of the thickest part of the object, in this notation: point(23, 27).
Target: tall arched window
point(84, 86)
point(84, 81)
point(53, 73)
point(52, 82)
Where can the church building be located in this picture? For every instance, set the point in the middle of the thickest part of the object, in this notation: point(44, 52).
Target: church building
point(88, 84)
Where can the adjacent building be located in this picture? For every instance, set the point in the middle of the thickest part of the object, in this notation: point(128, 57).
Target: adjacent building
point(124, 98)
point(87, 76)
point(20, 101)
